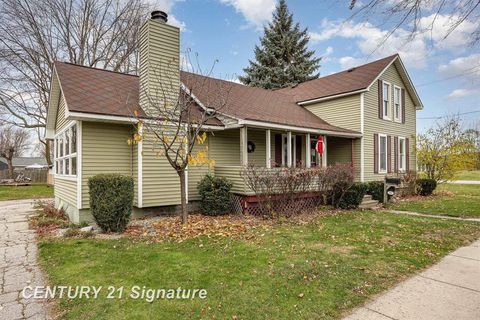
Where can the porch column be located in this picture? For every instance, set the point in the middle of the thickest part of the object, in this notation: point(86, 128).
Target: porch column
point(289, 149)
point(324, 157)
point(308, 157)
point(243, 146)
point(268, 150)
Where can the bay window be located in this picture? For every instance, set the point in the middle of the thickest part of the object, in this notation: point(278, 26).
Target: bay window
point(66, 152)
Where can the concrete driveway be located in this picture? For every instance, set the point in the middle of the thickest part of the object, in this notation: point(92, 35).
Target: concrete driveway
point(448, 290)
point(18, 263)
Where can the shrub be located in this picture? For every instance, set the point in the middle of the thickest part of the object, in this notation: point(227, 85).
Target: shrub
point(111, 200)
point(215, 195)
point(426, 186)
point(353, 196)
point(375, 189)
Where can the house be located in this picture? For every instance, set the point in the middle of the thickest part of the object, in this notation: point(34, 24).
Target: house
point(366, 116)
point(21, 163)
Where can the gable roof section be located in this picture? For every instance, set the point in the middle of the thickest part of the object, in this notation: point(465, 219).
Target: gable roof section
point(250, 103)
point(353, 80)
point(99, 91)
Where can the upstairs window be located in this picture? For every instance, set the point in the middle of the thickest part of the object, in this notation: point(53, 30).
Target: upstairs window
point(66, 152)
point(386, 100)
point(397, 104)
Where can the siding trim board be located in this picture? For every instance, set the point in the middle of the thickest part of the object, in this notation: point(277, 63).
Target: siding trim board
point(79, 164)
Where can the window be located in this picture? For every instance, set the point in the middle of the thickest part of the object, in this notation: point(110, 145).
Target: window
point(397, 104)
point(401, 154)
point(386, 100)
point(382, 154)
point(66, 152)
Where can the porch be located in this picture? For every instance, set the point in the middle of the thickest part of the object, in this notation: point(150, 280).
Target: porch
point(235, 149)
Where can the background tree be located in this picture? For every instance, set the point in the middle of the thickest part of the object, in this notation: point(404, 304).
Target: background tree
point(408, 14)
point(445, 149)
point(14, 142)
point(34, 33)
point(283, 58)
point(175, 128)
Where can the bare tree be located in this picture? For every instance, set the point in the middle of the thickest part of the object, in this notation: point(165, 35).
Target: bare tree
point(175, 128)
point(14, 142)
point(408, 14)
point(34, 33)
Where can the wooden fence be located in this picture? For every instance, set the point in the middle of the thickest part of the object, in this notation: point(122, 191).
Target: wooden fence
point(37, 175)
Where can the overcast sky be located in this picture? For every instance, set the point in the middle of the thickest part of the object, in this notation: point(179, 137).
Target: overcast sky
point(227, 31)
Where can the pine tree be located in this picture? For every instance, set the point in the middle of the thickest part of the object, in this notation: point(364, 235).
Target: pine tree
point(282, 59)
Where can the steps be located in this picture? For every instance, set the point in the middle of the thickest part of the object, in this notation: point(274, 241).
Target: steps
point(368, 203)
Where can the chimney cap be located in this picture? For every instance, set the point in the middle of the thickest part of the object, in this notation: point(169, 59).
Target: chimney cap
point(159, 15)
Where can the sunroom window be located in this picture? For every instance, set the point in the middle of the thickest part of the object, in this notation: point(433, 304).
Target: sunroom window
point(66, 152)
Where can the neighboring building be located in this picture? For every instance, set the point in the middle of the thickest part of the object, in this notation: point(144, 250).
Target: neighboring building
point(90, 117)
point(21, 163)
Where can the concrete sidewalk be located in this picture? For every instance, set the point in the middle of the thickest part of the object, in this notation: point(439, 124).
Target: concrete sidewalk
point(464, 182)
point(447, 290)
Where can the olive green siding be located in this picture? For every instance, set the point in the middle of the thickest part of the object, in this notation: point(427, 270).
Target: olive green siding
point(258, 137)
point(66, 190)
point(233, 174)
point(343, 112)
point(224, 147)
point(375, 125)
point(339, 150)
point(196, 173)
point(159, 64)
point(161, 184)
point(104, 150)
point(62, 122)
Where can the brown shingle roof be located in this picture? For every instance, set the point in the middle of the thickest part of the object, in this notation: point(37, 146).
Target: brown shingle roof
point(250, 103)
point(342, 82)
point(99, 91)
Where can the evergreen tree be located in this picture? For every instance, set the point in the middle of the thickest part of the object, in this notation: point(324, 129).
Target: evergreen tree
point(282, 59)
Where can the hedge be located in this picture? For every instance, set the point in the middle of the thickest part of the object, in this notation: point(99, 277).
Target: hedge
point(111, 200)
point(353, 197)
point(215, 195)
point(426, 186)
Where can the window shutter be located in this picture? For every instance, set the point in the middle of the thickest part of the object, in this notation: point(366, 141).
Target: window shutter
point(380, 99)
point(278, 150)
point(403, 105)
point(298, 149)
point(389, 154)
point(375, 153)
point(407, 154)
point(395, 153)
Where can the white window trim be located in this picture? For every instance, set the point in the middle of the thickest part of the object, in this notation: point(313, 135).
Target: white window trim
point(389, 108)
point(294, 151)
point(380, 170)
point(402, 166)
point(72, 177)
point(399, 119)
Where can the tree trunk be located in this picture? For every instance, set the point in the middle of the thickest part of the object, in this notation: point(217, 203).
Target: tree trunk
point(183, 197)
point(48, 158)
point(10, 168)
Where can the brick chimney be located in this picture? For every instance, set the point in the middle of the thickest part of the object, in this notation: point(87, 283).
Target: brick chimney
point(159, 62)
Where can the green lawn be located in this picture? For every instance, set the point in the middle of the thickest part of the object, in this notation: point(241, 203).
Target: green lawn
point(312, 271)
point(34, 191)
point(468, 175)
point(464, 203)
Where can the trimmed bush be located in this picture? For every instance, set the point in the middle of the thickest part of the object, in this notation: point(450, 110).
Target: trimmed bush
point(426, 186)
point(111, 200)
point(375, 189)
point(353, 196)
point(215, 195)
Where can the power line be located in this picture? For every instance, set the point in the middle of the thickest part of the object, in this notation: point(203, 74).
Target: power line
point(463, 74)
point(457, 114)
